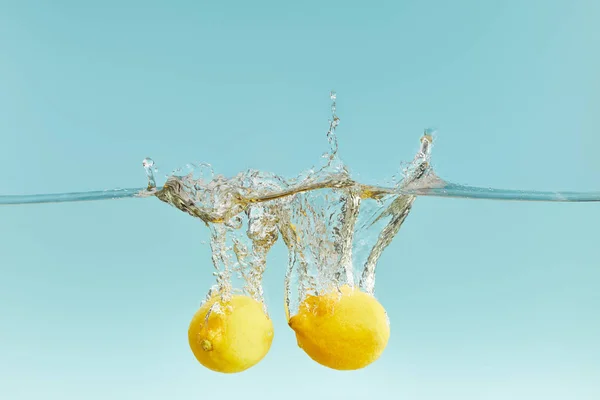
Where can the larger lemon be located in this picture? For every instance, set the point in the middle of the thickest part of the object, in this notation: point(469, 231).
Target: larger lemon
point(230, 336)
point(344, 330)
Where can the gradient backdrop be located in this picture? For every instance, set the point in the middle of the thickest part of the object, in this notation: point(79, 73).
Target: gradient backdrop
point(488, 300)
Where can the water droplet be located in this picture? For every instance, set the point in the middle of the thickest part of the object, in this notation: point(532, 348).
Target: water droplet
point(148, 162)
point(335, 122)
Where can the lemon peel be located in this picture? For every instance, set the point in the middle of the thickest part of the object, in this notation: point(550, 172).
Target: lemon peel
point(344, 329)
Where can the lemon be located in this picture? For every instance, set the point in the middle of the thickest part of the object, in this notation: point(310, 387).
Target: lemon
point(230, 336)
point(344, 330)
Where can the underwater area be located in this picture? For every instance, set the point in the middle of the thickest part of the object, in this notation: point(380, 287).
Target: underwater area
point(188, 211)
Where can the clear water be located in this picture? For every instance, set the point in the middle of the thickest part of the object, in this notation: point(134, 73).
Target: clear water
point(334, 227)
point(487, 300)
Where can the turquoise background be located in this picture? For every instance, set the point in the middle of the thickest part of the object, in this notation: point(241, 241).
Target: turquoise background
point(487, 300)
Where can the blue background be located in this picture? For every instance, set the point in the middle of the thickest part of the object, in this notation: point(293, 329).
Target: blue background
point(488, 300)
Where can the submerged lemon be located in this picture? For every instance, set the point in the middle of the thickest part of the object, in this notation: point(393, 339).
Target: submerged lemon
point(230, 336)
point(343, 330)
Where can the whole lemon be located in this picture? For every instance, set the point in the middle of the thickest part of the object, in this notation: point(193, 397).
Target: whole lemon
point(344, 329)
point(230, 336)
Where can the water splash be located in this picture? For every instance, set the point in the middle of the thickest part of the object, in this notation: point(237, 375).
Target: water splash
point(334, 227)
point(333, 124)
point(315, 214)
point(148, 165)
point(385, 222)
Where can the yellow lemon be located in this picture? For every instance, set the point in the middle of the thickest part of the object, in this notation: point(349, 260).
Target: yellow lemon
point(344, 330)
point(230, 336)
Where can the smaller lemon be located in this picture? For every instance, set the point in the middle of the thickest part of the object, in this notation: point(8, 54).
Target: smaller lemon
point(344, 330)
point(230, 336)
